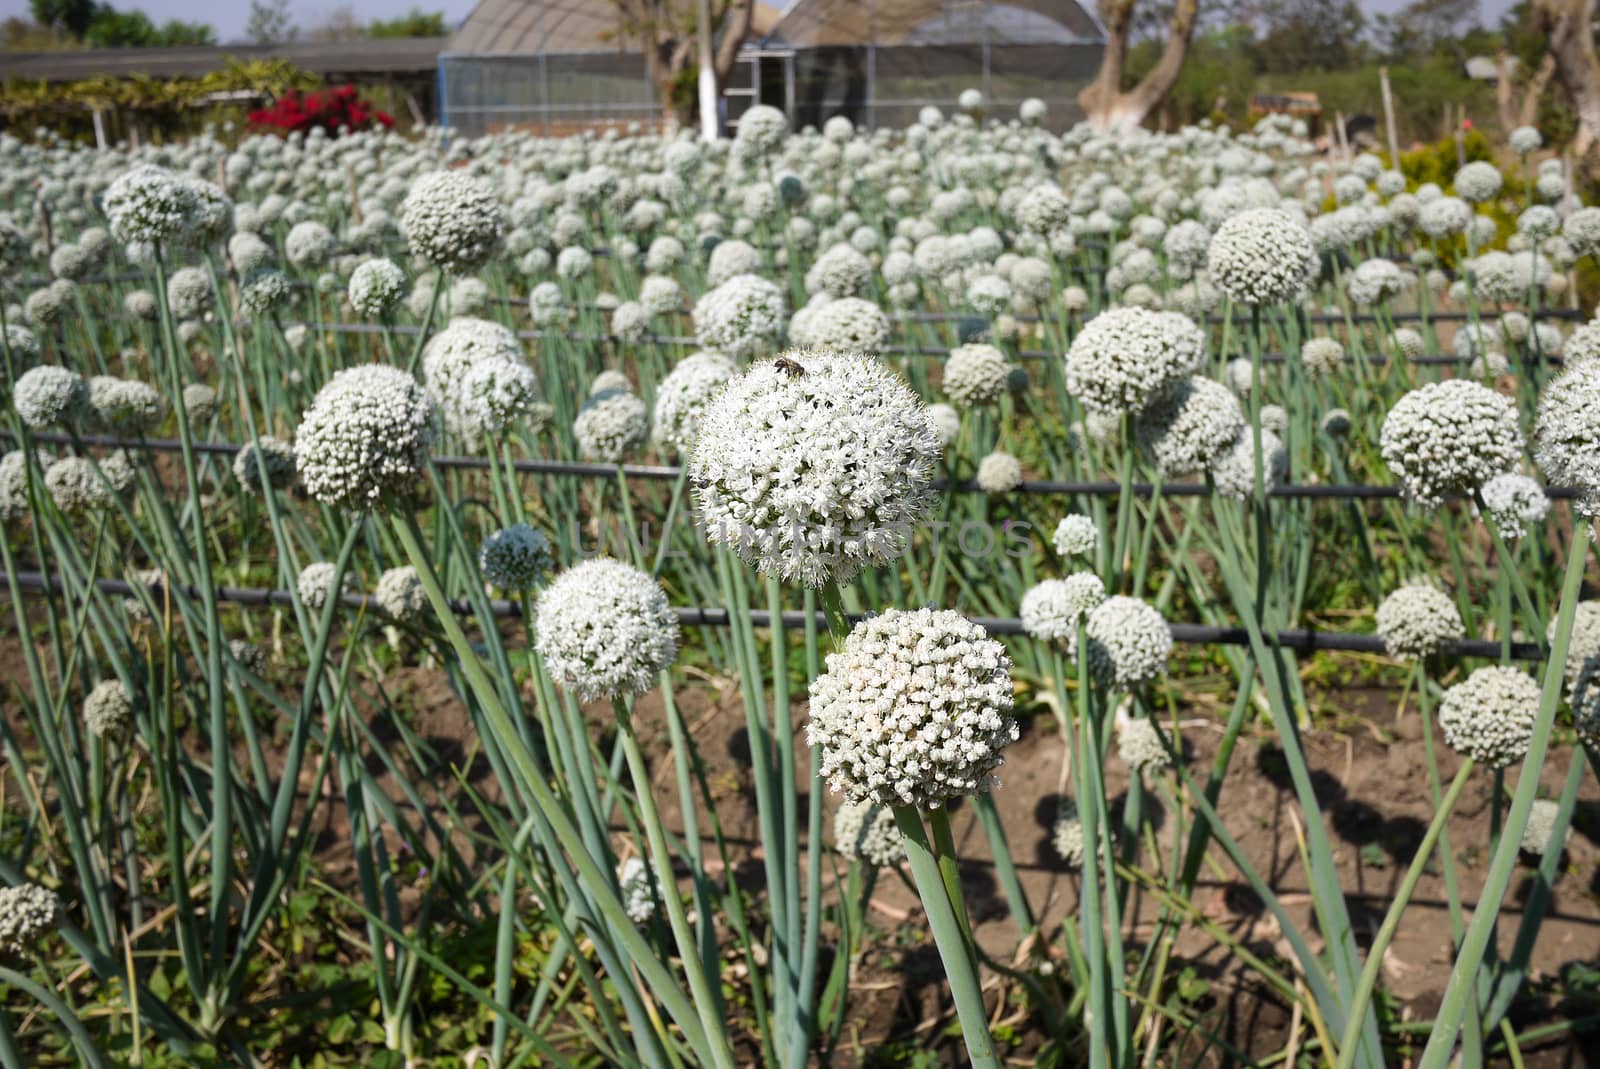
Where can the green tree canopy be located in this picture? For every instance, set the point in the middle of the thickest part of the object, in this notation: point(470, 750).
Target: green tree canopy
point(414, 23)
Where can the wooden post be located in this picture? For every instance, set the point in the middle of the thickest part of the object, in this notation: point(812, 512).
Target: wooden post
point(1388, 118)
point(99, 130)
point(1339, 138)
point(1461, 139)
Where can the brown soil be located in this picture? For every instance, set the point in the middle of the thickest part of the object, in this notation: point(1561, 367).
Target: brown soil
point(1370, 778)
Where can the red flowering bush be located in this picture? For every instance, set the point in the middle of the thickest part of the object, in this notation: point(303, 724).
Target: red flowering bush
point(329, 109)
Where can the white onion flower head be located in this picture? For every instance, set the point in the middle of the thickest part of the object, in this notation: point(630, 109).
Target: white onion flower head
point(28, 913)
point(610, 425)
point(1567, 433)
point(998, 473)
point(1477, 182)
point(1525, 139)
point(867, 831)
point(515, 558)
point(108, 711)
point(1051, 610)
point(1449, 438)
point(1066, 836)
point(1417, 621)
point(682, 397)
point(366, 436)
point(604, 629)
point(189, 293)
point(976, 375)
point(1489, 715)
point(1374, 280)
point(1541, 828)
point(77, 486)
point(1142, 746)
point(1262, 256)
point(1190, 425)
point(316, 584)
point(848, 325)
point(946, 423)
point(1322, 356)
point(400, 594)
point(1514, 502)
point(1076, 536)
point(453, 220)
point(308, 245)
point(376, 288)
point(1124, 358)
point(50, 394)
point(742, 317)
point(273, 454)
point(914, 710)
point(633, 882)
point(152, 205)
point(813, 476)
point(1128, 643)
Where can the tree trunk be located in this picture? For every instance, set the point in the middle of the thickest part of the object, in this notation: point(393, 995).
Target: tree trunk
point(1512, 112)
point(1105, 104)
point(1566, 25)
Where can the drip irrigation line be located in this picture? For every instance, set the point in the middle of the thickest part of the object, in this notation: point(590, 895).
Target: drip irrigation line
point(1299, 640)
point(936, 352)
point(670, 472)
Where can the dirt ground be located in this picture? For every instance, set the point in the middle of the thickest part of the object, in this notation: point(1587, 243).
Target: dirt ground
point(1371, 780)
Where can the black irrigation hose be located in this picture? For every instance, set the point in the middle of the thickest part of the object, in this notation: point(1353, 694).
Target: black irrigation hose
point(1299, 640)
point(888, 350)
point(667, 473)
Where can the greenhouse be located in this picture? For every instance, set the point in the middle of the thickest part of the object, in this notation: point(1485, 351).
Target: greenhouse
point(552, 66)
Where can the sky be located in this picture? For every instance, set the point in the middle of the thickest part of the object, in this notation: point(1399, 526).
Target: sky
point(229, 16)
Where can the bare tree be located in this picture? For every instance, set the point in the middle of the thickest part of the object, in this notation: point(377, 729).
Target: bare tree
point(1105, 103)
point(1514, 112)
point(1566, 26)
point(665, 31)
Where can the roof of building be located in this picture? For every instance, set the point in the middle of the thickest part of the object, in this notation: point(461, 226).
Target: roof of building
point(821, 23)
point(399, 55)
point(500, 27)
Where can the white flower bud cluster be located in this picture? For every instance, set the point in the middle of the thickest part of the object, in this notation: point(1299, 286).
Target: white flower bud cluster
point(1514, 502)
point(976, 375)
point(914, 710)
point(28, 912)
point(1051, 609)
point(273, 454)
point(1128, 643)
point(1076, 536)
point(477, 377)
point(1567, 433)
point(315, 584)
point(839, 272)
point(453, 220)
point(400, 594)
point(814, 475)
point(604, 629)
point(1263, 256)
point(846, 325)
point(682, 397)
point(1449, 437)
point(638, 901)
point(365, 436)
point(867, 830)
point(610, 425)
point(515, 558)
point(1417, 621)
point(1142, 746)
point(998, 473)
point(49, 394)
point(77, 486)
point(376, 288)
point(1233, 471)
point(1541, 828)
point(1190, 425)
point(1322, 356)
point(189, 293)
point(742, 317)
point(1066, 837)
point(1489, 716)
point(1124, 358)
point(108, 711)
